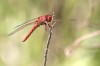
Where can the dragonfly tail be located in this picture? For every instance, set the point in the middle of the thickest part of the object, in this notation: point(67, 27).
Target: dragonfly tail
point(27, 36)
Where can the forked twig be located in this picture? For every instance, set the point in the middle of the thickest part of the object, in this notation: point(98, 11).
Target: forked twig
point(47, 45)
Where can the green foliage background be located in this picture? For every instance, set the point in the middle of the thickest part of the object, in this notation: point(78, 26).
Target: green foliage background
point(13, 52)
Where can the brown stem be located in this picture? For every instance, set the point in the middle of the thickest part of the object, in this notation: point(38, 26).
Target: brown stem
point(47, 47)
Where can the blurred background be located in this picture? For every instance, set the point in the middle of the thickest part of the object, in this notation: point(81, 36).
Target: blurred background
point(75, 40)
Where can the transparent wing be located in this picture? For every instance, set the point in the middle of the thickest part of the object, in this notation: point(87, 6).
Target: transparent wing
point(19, 27)
point(25, 23)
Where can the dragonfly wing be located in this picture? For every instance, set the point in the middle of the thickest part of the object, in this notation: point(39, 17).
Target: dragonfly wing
point(25, 23)
point(20, 27)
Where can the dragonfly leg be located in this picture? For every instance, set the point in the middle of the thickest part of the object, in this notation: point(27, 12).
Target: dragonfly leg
point(46, 27)
point(47, 24)
point(50, 26)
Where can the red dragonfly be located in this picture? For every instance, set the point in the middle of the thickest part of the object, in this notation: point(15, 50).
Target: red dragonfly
point(42, 20)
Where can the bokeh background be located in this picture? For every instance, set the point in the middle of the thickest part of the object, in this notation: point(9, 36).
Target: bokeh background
point(75, 40)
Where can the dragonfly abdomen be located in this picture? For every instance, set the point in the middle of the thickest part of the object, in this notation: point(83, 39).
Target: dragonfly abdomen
point(30, 32)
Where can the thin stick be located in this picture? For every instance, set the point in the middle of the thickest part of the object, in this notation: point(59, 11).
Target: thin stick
point(47, 47)
point(47, 44)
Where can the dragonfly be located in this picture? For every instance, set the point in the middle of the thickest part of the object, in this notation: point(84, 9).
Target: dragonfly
point(41, 20)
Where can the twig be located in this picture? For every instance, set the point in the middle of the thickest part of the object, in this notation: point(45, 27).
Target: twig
point(47, 44)
point(47, 47)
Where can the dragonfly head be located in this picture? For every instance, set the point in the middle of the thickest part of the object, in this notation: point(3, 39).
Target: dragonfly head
point(48, 18)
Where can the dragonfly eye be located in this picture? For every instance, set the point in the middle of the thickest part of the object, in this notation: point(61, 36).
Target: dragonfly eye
point(48, 18)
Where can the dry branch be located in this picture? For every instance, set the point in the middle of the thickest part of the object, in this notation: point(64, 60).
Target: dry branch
point(47, 48)
point(77, 42)
point(47, 44)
